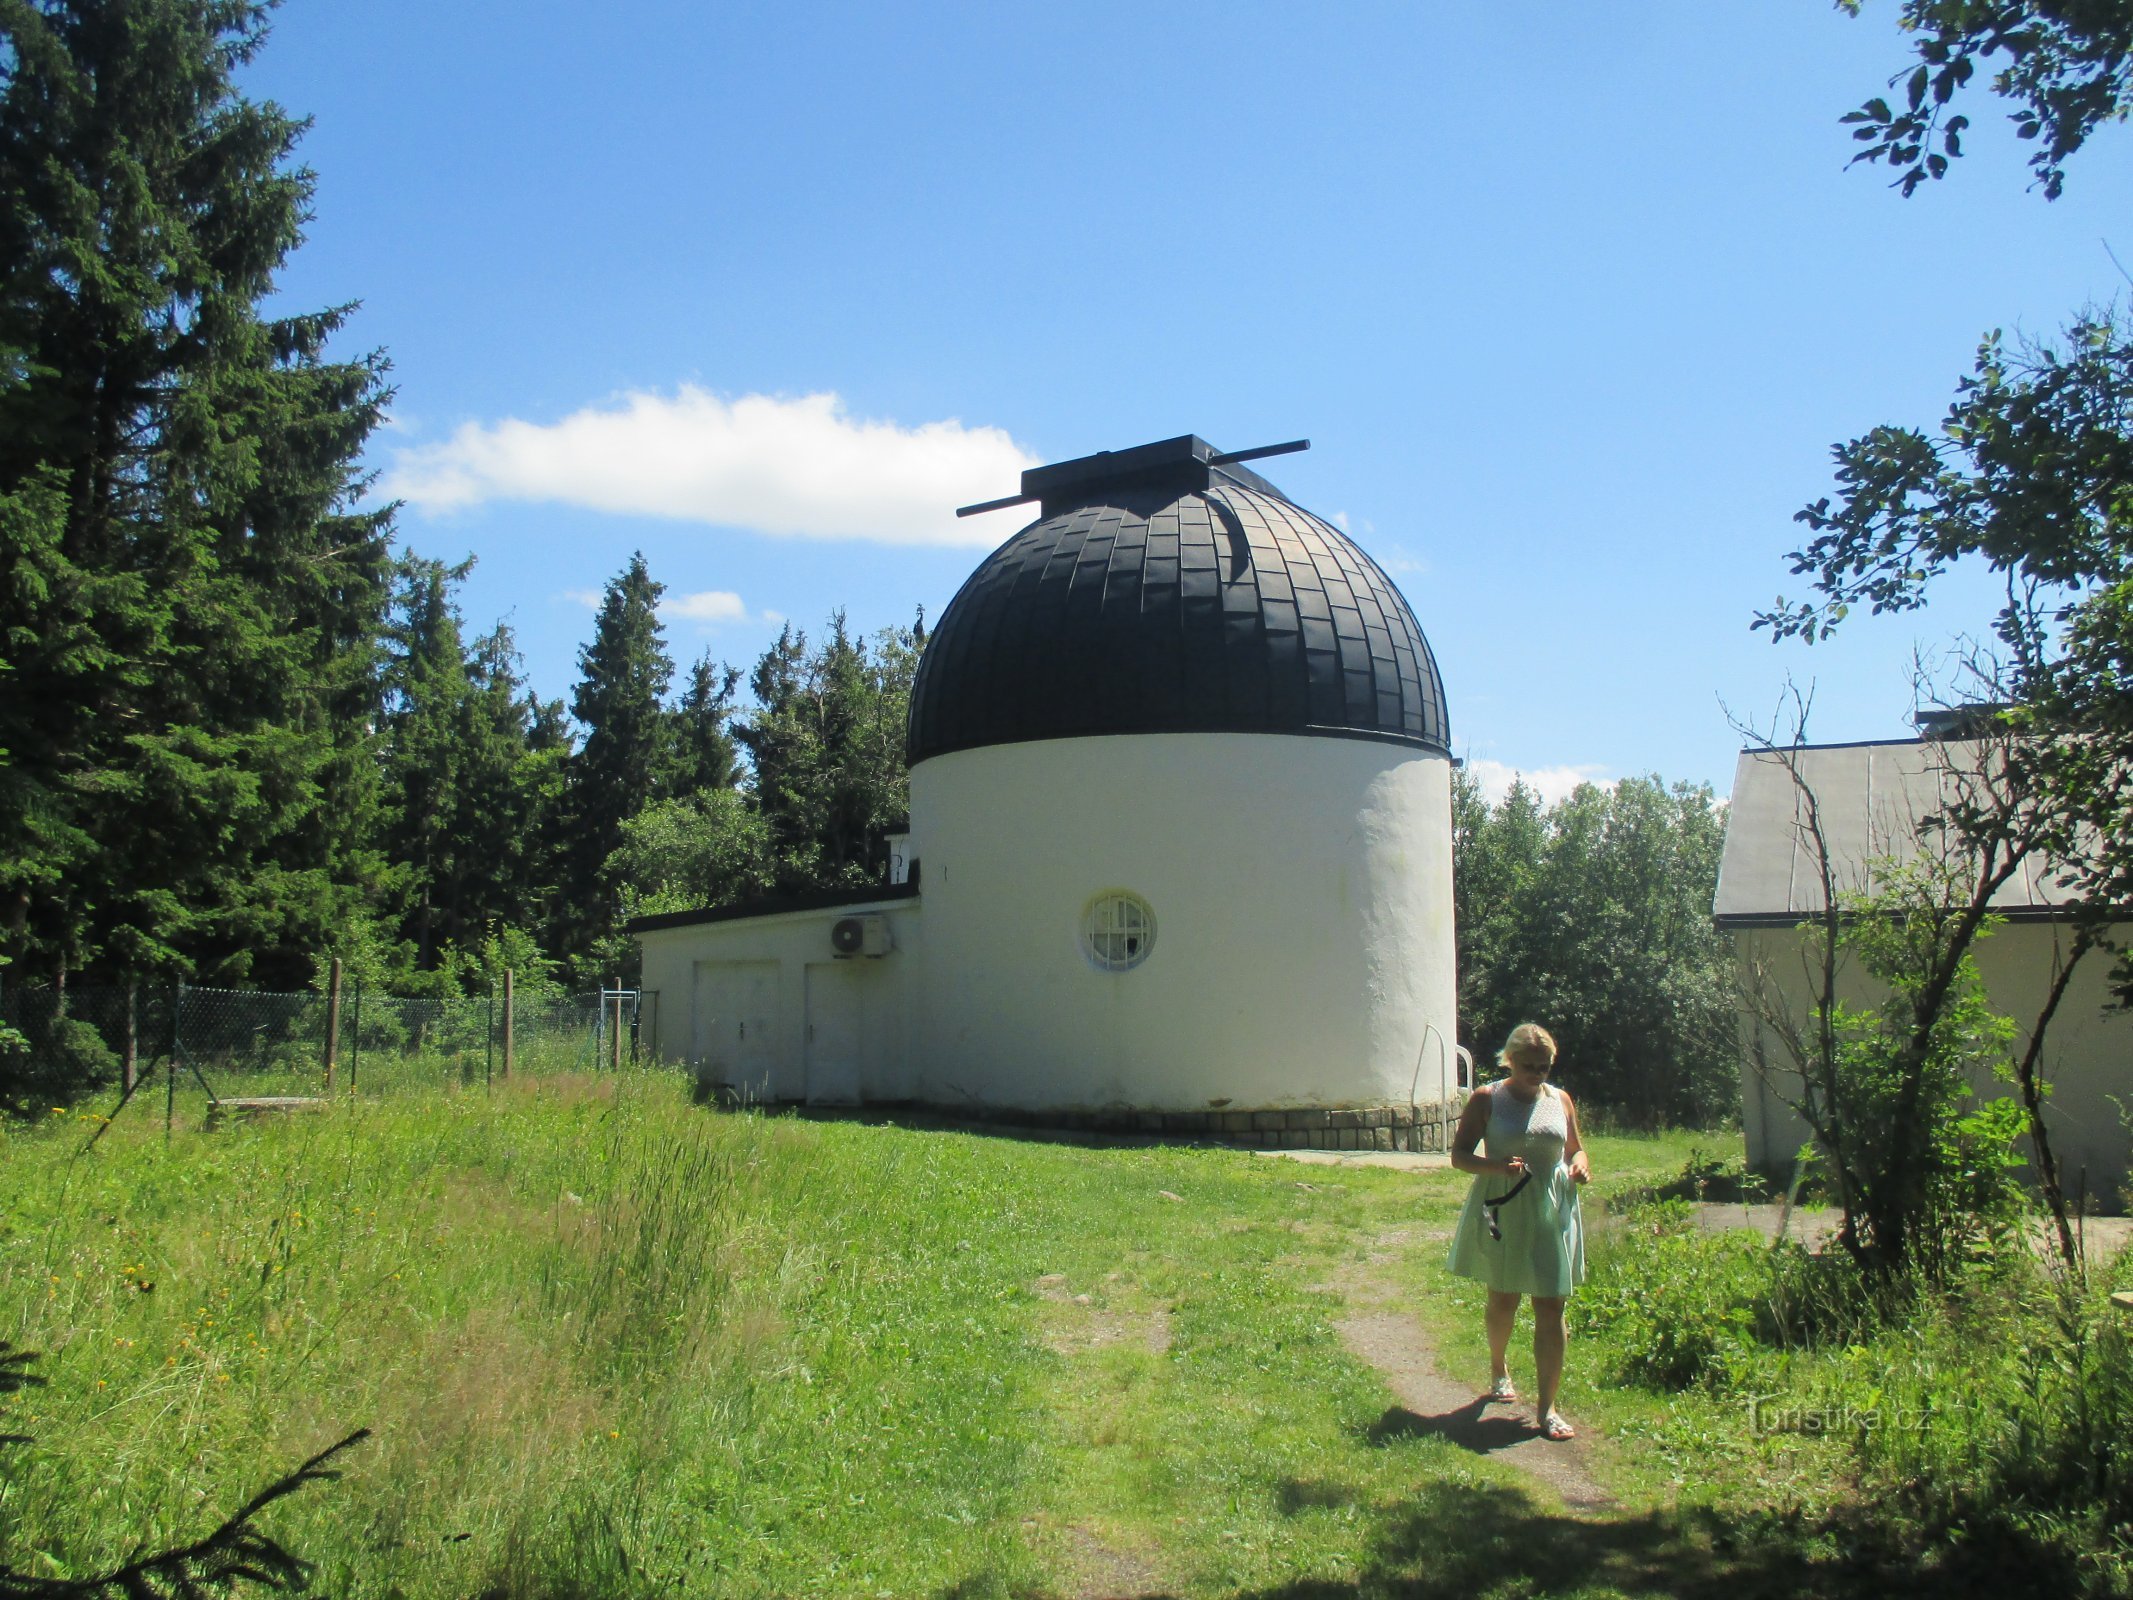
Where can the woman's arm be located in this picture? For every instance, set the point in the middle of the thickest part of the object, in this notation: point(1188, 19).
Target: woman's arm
point(1473, 1123)
point(1574, 1155)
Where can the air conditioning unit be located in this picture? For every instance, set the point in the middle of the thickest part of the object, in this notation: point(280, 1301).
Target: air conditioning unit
point(860, 936)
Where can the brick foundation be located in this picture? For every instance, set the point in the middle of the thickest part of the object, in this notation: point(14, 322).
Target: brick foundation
point(1405, 1127)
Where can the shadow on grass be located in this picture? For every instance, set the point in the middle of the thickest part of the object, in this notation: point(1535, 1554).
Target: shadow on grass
point(1470, 1427)
point(1459, 1543)
point(937, 1119)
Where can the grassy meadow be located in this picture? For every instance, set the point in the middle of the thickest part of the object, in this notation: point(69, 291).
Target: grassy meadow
point(613, 1344)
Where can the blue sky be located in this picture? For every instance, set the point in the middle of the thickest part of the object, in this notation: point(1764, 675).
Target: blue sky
point(1571, 300)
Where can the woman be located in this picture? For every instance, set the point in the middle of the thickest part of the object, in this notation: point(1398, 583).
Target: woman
point(1520, 1232)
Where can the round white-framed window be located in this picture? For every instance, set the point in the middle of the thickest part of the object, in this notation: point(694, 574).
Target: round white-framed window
point(1117, 931)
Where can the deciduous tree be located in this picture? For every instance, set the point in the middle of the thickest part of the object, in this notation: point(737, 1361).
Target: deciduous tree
point(2066, 64)
point(2030, 470)
point(1593, 917)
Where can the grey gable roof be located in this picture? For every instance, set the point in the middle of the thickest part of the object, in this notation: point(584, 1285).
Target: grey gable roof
point(1871, 798)
point(1163, 592)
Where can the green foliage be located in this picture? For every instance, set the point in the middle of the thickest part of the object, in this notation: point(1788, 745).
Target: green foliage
point(610, 1345)
point(704, 850)
point(507, 949)
point(2044, 1428)
point(53, 1057)
point(826, 745)
point(623, 765)
point(1593, 917)
point(705, 756)
point(1925, 1171)
point(1671, 1308)
point(473, 820)
point(2027, 471)
point(2069, 70)
point(188, 601)
point(1715, 1177)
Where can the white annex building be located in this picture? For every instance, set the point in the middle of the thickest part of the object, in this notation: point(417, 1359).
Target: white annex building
point(1871, 799)
point(1179, 853)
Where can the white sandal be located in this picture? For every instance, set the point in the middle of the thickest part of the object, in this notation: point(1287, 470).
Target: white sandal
point(1554, 1426)
point(1503, 1389)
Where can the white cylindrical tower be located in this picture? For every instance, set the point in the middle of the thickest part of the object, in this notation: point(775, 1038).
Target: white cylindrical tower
point(1180, 812)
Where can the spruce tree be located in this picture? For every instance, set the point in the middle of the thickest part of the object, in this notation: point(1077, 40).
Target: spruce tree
point(507, 821)
point(624, 674)
point(704, 755)
point(427, 690)
point(189, 599)
point(826, 741)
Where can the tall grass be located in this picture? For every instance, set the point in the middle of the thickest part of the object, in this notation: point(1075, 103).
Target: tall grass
point(610, 1343)
point(1986, 1415)
point(542, 1300)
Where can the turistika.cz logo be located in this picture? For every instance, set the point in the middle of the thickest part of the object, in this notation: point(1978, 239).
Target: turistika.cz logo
point(1766, 1418)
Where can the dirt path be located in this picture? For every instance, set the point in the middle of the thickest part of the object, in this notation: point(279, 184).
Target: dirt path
point(1099, 1563)
point(1395, 1343)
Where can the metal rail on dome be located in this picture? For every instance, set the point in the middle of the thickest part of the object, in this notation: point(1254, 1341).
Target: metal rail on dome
point(1227, 458)
point(1263, 451)
point(996, 505)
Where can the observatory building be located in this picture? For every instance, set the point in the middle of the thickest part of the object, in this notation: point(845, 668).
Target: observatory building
point(1179, 854)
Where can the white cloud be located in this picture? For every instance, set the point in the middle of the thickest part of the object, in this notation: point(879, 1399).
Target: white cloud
point(588, 598)
point(1550, 783)
point(799, 467)
point(708, 605)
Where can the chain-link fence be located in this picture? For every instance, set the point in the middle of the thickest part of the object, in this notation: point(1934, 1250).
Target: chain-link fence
point(59, 1044)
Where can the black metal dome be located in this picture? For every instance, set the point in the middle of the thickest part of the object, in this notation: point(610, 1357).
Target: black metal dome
point(1166, 590)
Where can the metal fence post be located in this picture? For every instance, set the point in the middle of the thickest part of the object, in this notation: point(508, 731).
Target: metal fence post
point(508, 1018)
point(355, 1038)
point(333, 1020)
point(130, 1070)
point(488, 1040)
point(170, 1081)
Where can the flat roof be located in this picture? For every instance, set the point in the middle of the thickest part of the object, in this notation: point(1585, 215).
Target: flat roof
point(774, 906)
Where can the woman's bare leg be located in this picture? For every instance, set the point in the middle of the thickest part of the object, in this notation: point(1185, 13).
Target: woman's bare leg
point(1549, 1338)
point(1501, 1317)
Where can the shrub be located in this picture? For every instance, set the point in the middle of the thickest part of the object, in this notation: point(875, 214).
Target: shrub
point(1673, 1308)
point(1809, 1300)
point(2040, 1416)
point(1715, 1177)
point(54, 1057)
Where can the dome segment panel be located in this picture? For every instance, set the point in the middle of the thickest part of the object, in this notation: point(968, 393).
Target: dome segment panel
point(1204, 602)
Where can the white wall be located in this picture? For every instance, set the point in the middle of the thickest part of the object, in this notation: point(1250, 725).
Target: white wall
point(2088, 1050)
point(883, 990)
point(1302, 891)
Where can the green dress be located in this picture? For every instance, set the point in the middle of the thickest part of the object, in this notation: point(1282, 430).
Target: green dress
point(1542, 1250)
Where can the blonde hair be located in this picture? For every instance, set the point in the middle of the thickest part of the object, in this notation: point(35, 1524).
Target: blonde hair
point(1529, 1041)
